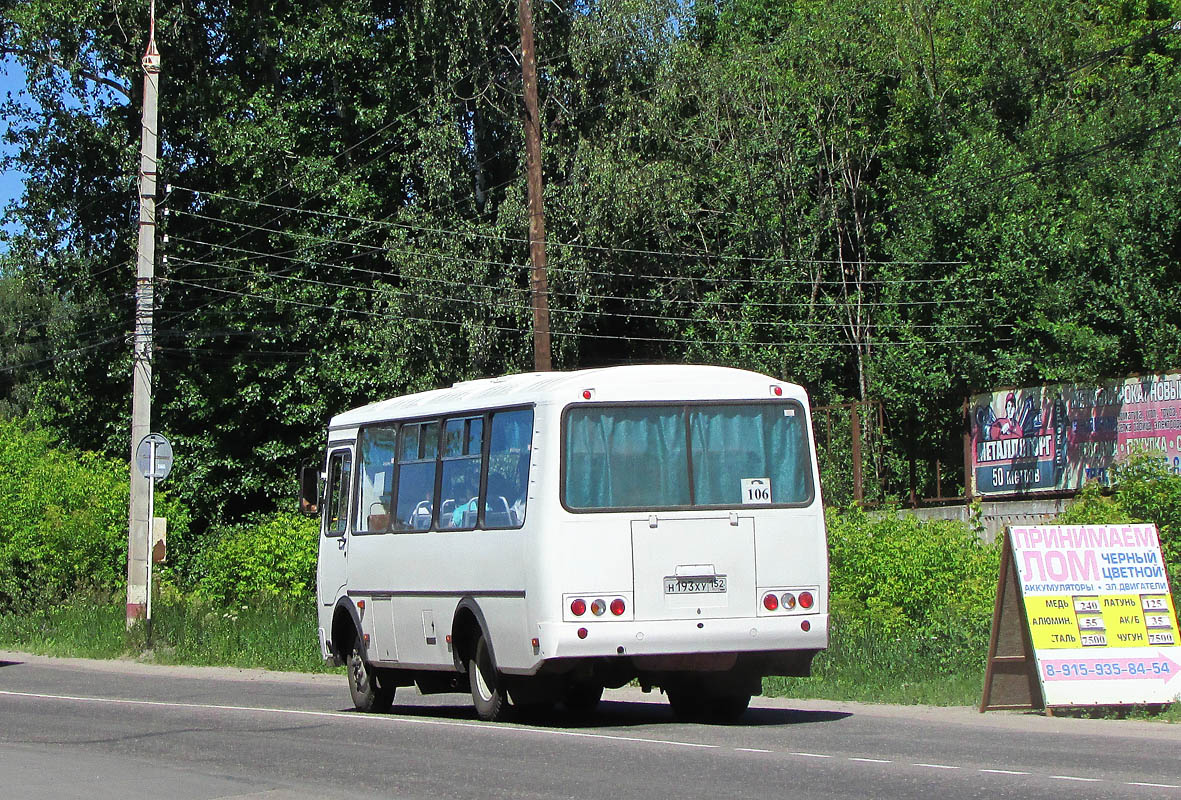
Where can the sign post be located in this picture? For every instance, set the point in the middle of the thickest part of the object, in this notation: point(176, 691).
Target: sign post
point(153, 459)
point(1095, 616)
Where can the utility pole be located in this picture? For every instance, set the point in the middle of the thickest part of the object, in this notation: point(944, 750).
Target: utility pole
point(542, 361)
point(139, 528)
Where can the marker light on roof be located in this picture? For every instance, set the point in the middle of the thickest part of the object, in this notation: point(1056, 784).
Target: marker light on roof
point(587, 394)
point(777, 391)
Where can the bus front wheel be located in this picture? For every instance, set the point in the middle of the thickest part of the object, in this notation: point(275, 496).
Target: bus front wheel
point(365, 687)
point(488, 692)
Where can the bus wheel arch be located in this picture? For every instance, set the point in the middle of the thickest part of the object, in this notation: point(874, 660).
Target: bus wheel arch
point(346, 627)
point(473, 654)
point(468, 626)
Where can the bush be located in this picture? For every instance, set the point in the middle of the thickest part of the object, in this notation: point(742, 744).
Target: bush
point(1144, 491)
point(63, 520)
point(270, 555)
point(901, 571)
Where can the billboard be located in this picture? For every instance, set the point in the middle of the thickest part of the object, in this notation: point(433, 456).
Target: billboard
point(1055, 438)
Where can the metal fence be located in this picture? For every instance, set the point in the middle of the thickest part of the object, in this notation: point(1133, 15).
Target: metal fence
point(862, 461)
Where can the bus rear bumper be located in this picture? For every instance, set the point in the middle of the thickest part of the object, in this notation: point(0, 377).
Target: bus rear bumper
point(688, 636)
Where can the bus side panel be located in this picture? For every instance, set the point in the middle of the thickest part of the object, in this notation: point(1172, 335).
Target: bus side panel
point(427, 574)
point(511, 637)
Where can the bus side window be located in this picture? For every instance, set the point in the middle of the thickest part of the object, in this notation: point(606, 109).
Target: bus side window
point(375, 447)
point(418, 447)
point(509, 454)
point(336, 511)
point(460, 480)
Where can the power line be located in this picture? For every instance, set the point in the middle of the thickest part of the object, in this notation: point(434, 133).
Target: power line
point(496, 305)
point(380, 249)
point(576, 295)
point(1063, 159)
point(573, 334)
point(59, 356)
point(516, 240)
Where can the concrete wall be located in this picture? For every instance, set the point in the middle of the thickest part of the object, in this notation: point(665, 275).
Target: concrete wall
point(996, 514)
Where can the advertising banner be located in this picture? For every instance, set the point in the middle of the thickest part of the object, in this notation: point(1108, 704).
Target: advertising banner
point(1100, 616)
point(1056, 438)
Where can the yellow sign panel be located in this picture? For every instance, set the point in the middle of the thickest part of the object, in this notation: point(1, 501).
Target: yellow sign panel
point(1126, 620)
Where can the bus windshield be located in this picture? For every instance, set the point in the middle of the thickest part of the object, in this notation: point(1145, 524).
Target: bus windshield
point(686, 456)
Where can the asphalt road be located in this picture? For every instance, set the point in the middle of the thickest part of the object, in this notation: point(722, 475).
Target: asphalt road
point(89, 729)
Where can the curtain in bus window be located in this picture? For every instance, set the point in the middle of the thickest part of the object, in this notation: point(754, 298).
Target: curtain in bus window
point(508, 468)
point(734, 442)
point(626, 458)
point(377, 478)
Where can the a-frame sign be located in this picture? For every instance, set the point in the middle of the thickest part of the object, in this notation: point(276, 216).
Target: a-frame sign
point(1083, 617)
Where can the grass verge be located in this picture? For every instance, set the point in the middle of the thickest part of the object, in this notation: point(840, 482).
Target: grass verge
point(890, 664)
point(264, 634)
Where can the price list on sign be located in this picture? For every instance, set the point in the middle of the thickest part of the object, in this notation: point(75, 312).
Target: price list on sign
point(1099, 612)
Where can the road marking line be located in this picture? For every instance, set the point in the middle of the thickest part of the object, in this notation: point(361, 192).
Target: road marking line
point(1154, 785)
point(935, 766)
point(872, 760)
point(1005, 771)
point(810, 755)
point(489, 726)
point(751, 750)
point(1073, 778)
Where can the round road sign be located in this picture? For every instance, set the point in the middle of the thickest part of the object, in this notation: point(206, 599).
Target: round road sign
point(163, 460)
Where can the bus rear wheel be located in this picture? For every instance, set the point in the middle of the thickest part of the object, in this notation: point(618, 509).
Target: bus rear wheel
point(488, 691)
point(364, 685)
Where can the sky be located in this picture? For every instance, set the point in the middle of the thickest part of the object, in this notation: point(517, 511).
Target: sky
point(12, 81)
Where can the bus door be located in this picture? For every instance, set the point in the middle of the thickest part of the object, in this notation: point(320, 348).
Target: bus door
point(334, 535)
point(693, 568)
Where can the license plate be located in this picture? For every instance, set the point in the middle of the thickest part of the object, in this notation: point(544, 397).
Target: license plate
point(711, 584)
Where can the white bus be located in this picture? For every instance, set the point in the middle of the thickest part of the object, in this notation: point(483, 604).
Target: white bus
point(536, 538)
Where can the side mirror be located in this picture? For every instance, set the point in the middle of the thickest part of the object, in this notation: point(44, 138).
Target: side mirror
point(309, 490)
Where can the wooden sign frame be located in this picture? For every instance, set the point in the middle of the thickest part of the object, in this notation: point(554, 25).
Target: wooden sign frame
point(1010, 678)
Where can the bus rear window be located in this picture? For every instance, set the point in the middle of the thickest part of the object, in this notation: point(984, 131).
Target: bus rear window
point(720, 454)
point(735, 446)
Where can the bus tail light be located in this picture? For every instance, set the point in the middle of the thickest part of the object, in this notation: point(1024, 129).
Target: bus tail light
point(578, 607)
point(787, 600)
